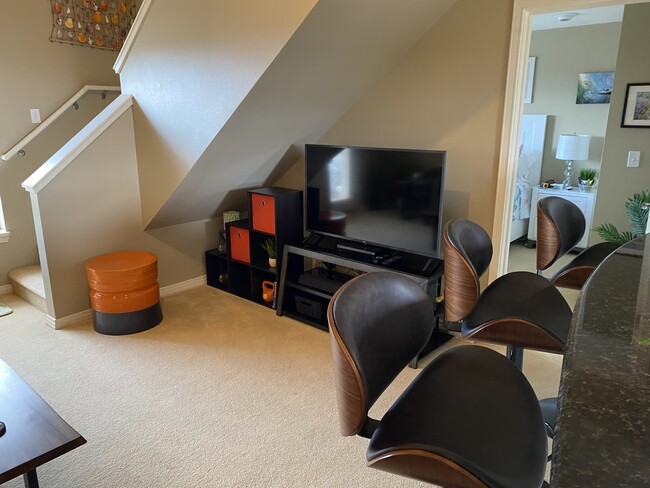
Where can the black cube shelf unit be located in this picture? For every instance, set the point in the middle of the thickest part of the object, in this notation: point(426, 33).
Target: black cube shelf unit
point(241, 270)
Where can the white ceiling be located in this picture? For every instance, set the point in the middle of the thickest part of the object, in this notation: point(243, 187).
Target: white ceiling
point(600, 15)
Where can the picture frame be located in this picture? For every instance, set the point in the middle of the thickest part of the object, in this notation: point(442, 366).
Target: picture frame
point(636, 109)
point(595, 87)
point(530, 78)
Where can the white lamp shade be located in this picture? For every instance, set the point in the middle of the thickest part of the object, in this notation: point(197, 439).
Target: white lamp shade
point(573, 147)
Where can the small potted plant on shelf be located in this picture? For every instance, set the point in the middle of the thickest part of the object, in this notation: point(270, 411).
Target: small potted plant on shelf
point(269, 246)
point(587, 179)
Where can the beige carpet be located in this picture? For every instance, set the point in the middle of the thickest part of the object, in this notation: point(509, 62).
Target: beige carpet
point(222, 393)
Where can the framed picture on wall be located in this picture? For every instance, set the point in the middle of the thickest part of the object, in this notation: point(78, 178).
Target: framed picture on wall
point(636, 111)
point(595, 87)
point(530, 77)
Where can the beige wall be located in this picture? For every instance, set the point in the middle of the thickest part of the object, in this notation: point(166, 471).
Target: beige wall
point(617, 181)
point(190, 68)
point(561, 55)
point(40, 74)
point(446, 93)
point(107, 218)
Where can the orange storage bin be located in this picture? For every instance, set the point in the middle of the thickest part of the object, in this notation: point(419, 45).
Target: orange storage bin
point(122, 271)
point(239, 244)
point(263, 213)
point(124, 302)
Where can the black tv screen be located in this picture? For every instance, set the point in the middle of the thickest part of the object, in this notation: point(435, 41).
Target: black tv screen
point(390, 198)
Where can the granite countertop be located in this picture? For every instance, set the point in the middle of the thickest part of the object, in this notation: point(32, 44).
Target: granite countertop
point(603, 424)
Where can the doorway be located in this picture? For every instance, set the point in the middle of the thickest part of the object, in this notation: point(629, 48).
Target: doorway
point(515, 86)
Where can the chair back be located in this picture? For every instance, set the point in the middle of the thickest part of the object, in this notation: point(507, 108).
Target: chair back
point(560, 226)
point(378, 323)
point(467, 253)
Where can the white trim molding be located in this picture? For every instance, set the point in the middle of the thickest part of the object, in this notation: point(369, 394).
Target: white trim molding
point(55, 115)
point(169, 290)
point(6, 289)
point(75, 146)
point(132, 36)
point(87, 315)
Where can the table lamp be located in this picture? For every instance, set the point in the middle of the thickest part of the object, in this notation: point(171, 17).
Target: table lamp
point(572, 147)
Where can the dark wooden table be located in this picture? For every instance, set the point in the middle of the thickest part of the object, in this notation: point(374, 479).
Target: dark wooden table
point(35, 434)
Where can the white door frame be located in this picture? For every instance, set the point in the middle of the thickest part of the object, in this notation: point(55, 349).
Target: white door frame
point(523, 10)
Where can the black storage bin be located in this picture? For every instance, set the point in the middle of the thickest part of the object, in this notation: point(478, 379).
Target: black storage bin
point(308, 307)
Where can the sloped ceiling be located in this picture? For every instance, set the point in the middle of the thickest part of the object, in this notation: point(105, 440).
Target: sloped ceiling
point(340, 50)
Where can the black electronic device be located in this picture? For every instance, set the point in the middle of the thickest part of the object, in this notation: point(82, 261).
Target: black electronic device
point(376, 199)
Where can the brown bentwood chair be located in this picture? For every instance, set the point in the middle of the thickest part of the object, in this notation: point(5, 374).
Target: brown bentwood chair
point(520, 310)
point(560, 226)
point(470, 419)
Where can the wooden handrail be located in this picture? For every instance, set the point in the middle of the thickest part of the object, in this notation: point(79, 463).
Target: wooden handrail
point(47, 122)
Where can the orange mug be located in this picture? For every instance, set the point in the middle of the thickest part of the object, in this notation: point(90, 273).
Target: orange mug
point(268, 288)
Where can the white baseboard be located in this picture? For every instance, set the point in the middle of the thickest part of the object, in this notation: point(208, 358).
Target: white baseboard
point(169, 290)
point(68, 320)
point(85, 315)
point(6, 289)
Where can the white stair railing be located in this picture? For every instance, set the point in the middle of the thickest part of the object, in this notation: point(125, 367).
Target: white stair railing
point(132, 35)
point(18, 148)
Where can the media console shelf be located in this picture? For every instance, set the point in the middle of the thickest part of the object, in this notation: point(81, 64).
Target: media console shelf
point(309, 278)
point(275, 213)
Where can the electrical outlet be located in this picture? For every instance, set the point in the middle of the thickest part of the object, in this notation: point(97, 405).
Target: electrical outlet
point(35, 114)
point(633, 158)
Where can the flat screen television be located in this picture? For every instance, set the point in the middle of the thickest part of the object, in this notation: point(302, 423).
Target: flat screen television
point(390, 198)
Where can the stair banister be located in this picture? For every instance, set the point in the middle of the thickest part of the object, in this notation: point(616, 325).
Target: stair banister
point(18, 147)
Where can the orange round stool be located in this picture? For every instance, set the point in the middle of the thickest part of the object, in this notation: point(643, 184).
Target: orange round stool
point(124, 292)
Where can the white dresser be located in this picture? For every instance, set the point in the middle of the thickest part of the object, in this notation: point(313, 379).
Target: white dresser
point(585, 201)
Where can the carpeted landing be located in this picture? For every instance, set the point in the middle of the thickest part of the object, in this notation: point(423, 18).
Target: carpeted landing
point(223, 393)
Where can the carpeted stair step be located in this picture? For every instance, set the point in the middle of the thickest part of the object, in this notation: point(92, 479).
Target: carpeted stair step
point(27, 283)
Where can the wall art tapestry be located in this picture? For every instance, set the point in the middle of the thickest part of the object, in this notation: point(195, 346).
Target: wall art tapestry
point(101, 24)
point(595, 87)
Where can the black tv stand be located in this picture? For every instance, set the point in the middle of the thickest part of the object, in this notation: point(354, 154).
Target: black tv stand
point(399, 261)
point(309, 278)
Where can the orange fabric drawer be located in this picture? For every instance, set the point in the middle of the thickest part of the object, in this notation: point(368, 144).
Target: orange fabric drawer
point(239, 244)
point(122, 271)
point(263, 210)
point(130, 301)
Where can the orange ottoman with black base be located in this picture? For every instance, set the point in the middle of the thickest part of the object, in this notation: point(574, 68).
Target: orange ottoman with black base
point(124, 292)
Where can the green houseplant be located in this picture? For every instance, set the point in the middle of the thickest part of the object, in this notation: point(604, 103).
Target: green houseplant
point(587, 179)
point(269, 246)
point(637, 212)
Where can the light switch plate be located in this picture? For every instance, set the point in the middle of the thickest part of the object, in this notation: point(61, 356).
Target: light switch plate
point(35, 114)
point(633, 158)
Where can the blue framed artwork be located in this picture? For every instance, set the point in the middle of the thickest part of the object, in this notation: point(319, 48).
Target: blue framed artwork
point(595, 87)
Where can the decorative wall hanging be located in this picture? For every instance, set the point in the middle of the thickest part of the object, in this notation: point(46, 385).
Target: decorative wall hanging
point(595, 87)
point(636, 111)
point(102, 24)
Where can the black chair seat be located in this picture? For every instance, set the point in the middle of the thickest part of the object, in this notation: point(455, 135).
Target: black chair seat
point(589, 259)
point(461, 408)
point(517, 298)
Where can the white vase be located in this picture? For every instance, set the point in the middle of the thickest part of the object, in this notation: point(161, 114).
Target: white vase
point(272, 262)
